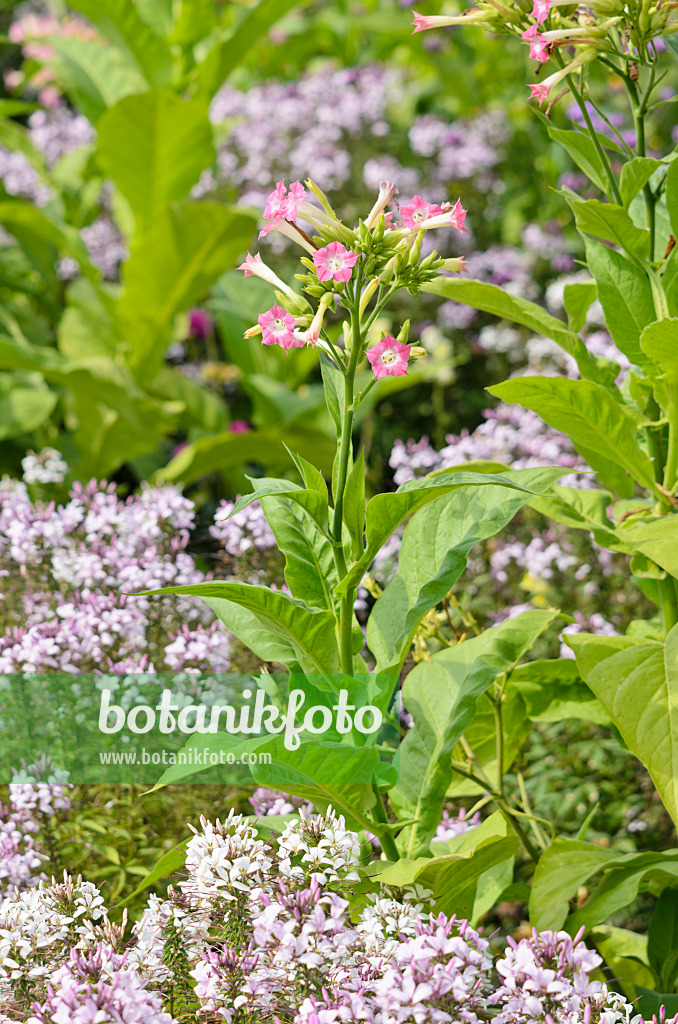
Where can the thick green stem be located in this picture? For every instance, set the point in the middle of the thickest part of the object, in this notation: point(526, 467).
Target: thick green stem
point(581, 103)
point(385, 838)
point(344, 455)
point(639, 109)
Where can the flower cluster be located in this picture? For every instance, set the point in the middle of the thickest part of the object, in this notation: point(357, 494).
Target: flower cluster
point(261, 927)
point(350, 267)
point(62, 568)
point(609, 27)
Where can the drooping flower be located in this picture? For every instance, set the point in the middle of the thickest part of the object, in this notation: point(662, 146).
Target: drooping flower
point(538, 44)
point(254, 266)
point(334, 262)
point(542, 90)
point(540, 11)
point(417, 211)
point(389, 358)
point(277, 327)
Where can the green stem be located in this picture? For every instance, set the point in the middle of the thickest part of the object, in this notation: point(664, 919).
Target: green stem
point(344, 454)
point(639, 109)
point(581, 103)
point(385, 838)
point(505, 809)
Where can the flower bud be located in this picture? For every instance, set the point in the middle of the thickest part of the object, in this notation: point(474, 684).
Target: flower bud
point(416, 352)
point(415, 251)
point(404, 333)
point(252, 332)
point(387, 191)
point(456, 264)
point(386, 275)
point(368, 291)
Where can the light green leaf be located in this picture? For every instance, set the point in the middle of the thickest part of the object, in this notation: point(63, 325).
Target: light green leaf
point(309, 632)
point(625, 294)
point(171, 267)
point(119, 21)
point(94, 75)
point(492, 299)
point(659, 341)
point(385, 512)
point(581, 509)
point(155, 146)
point(266, 447)
point(637, 682)
point(166, 865)
point(672, 196)
point(577, 298)
point(35, 229)
point(554, 691)
point(433, 556)
point(441, 696)
point(583, 152)
point(313, 503)
point(634, 175)
point(602, 430)
point(23, 409)
point(562, 869)
point(229, 53)
point(625, 953)
point(610, 222)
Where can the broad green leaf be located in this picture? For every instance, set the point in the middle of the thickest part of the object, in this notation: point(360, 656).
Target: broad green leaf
point(577, 298)
point(385, 512)
point(312, 477)
point(455, 875)
point(354, 505)
point(171, 267)
point(650, 1003)
point(154, 146)
point(313, 503)
point(582, 509)
point(119, 21)
point(94, 75)
point(23, 409)
point(609, 222)
point(201, 405)
point(310, 571)
point(637, 685)
point(433, 554)
point(266, 447)
point(583, 152)
point(553, 691)
point(662, 938)
point(309, 632)
point(441, 696)
point(328, 774)
point(35, 228)
point(659, 341)
point(622, 883)
point(634, 175)
point(625, 953)
point(229, 53)
point(157, 14)
point(492, 299)
point(253, 631)
point(562, 869)
point(334, 394)
point(657, 539)
point(625, 294)
point(601, 429)
point(87, 327)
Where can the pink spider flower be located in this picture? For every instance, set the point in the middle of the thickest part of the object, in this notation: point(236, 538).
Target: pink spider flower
point(389, 358)
point(334, 262)
point(417, 211)
point(538, 44)
point(277, 327)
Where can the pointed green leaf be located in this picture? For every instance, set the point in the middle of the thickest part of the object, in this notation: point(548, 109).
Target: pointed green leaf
point(492, 299)
point(441, 696)
point(610, 222)
point(172, 266)
point(659, 341)
point(154, 146)
point(657, 539)
point(119, 21)
point(562, 869)
point(310, 633)
point(634, 175)
point(94, 75)
point(602, 430)
point(577, 298)
point(637, 682)
point(625, 294)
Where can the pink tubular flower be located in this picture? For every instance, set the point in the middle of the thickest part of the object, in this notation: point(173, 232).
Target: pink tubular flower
point(538, 44)
point(282, 203)
point(389, 358)
point(250, 267)
point(540, 91)
point(540, 11)
point(334, 262)
point(277, 327)
point(422, 22)
point(416, 211)
point(448, 217)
